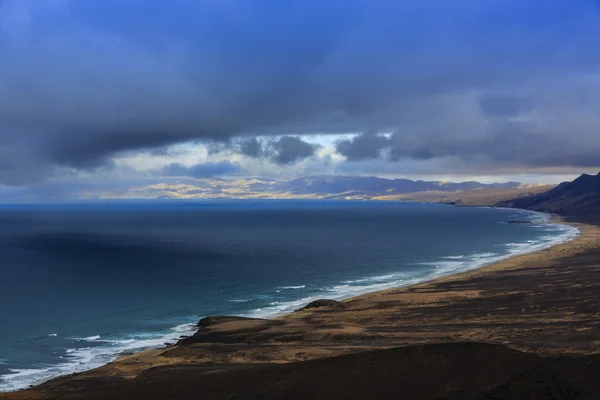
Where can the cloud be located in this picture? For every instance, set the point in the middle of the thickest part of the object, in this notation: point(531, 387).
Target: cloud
point(361, 147)
point(504, 105)
point(82, 81)
point(290, 149)
point(251, 147)
point(202, 170)
point(283, 150)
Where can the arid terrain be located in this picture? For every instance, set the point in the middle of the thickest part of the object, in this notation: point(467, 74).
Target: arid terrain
point(475, 197)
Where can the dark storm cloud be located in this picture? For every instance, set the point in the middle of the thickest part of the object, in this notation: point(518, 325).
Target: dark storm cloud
point(251, 147)
point(202, 170)
point(81, 81)
point(282, 150)
point(289, 149)
point(505, 143)
point(361, 147)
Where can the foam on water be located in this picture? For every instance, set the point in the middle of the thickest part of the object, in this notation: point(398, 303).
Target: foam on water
point(371, 279)
point(282, 288)
point(95, 351)
point(84, 358)
point(89, 338)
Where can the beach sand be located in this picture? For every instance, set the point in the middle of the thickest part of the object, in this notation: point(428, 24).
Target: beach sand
point(472, 335)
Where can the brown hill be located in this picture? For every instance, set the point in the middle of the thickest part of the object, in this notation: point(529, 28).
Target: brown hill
point(477, 197)
point(440, 371)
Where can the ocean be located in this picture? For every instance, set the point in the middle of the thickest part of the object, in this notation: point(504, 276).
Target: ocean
point(82, 283)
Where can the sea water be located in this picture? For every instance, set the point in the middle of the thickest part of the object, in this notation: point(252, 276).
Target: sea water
point(82, 283)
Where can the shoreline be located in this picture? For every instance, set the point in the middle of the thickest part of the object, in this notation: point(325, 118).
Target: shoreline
point(130, 365)
point(553, 219)
point(506, 262)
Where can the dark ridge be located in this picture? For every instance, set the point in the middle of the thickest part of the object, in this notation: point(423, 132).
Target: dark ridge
point(578, 198)
point(448, 371)
point(247, 331)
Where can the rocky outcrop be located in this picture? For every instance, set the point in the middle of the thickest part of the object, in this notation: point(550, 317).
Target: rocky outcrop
point(324, 303)
point(219, 319)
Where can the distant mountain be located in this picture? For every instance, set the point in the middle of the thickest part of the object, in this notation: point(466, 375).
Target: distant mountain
point(316, 187)
point(359, 185)
point(580, 197)
point(487, 197)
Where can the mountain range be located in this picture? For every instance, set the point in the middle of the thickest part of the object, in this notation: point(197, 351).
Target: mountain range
point(579, 197)
point(317, 187)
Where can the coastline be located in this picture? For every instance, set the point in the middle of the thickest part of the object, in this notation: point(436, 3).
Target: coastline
point(341, 327)
point(587, 232)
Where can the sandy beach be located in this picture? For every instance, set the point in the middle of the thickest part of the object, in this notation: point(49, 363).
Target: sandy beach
point(517, 314)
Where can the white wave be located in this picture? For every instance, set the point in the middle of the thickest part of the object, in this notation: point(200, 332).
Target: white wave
point(337, 292)
point(53, 334)
point(372, 279)
point(357, 280)
point(282, 288)
point(85, 358)
point(94, 338)
point(240, 300)
point(383, 277)
point(344, 291)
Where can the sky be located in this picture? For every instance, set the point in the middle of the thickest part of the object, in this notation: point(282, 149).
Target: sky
point(121, 90)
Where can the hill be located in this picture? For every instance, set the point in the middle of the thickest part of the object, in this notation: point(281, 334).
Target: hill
point(310, 187)
point(578, 198)
point(478, 197)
